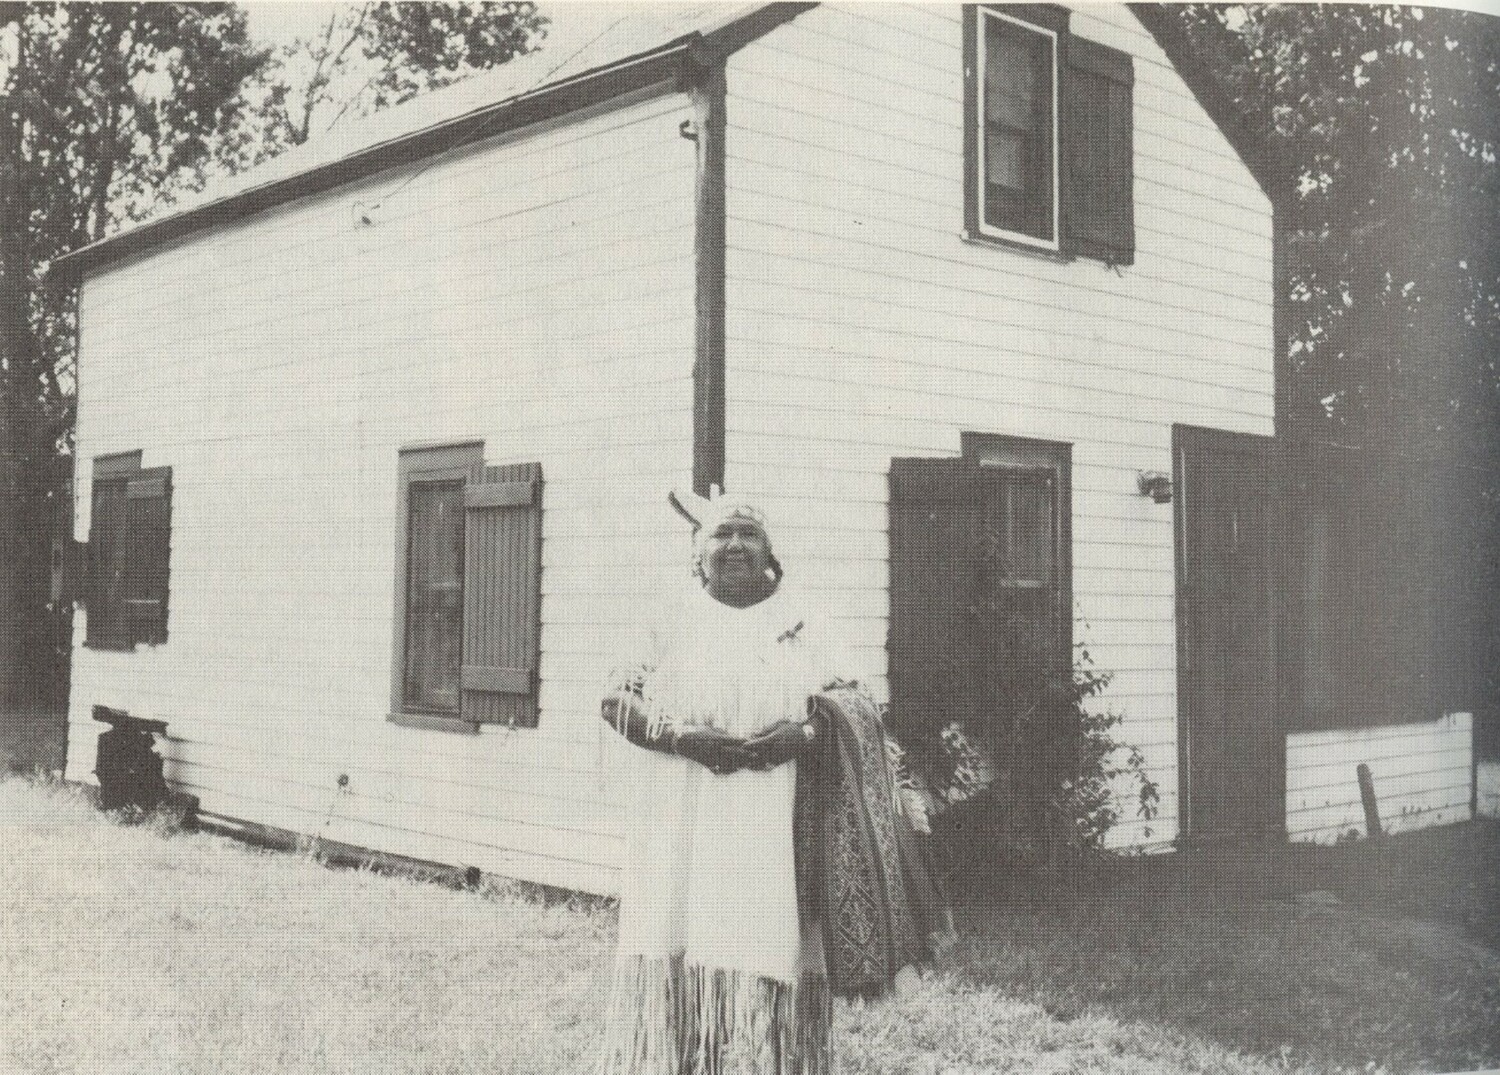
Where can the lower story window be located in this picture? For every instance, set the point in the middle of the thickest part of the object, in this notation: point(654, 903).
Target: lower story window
point(129, 553)
point(434, 595)
point(468, 590)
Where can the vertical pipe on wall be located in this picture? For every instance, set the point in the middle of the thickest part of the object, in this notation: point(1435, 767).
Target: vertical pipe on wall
point(707, 91)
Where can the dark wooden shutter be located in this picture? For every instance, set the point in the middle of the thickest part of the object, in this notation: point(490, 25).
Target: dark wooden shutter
point(105, 593)
point(148, 540)
point(935, 520)
point(1097, 152)
point(502, 594)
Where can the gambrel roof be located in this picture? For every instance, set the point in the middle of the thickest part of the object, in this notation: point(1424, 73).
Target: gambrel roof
point(647, 44)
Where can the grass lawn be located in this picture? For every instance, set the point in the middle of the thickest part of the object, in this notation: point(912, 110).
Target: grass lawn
point(1371, 956)
point(131, 949)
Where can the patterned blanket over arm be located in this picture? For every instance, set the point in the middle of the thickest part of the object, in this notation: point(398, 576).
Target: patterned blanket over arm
point(860, 868)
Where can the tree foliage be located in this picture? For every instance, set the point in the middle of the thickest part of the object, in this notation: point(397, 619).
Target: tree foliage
point(366, 57)
point(1383, 123)
point(109, 111)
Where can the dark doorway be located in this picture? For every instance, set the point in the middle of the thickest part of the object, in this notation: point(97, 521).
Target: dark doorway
point(1230, 777)
point(981, 600)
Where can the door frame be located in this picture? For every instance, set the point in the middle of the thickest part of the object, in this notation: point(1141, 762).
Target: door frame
point(1188, 439)
point(1031, 453)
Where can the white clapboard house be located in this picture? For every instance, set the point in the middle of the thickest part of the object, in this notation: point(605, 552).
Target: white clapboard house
point(374, 440)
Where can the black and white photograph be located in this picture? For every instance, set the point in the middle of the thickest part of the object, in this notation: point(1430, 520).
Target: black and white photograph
point(869, 538)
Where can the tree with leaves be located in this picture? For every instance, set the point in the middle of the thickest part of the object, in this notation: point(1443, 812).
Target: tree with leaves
point(103, 107)
point(108, 112)
point(366, 57)
point(1381, 125)
point(1381, 122)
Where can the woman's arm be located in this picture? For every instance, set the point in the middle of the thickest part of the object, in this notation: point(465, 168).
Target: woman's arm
point(623, 715)
point(710, 748)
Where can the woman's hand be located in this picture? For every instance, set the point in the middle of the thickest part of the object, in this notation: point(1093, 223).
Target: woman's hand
point(716, 751)
point(780, 743)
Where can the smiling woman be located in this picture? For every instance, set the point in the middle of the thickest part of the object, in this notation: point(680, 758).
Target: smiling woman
point(734, 558)
point(740, 870)
point(714, 961)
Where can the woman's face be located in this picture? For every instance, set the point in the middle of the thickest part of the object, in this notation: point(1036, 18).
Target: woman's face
point(736, 561)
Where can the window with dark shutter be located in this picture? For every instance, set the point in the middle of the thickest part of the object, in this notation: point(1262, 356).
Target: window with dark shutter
point(468, 591)
point(502, 594)
point(1098, 155)
point(129, 553)
point(1048, 147)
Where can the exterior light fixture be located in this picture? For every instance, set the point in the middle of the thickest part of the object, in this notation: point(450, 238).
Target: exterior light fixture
point(1156, 485)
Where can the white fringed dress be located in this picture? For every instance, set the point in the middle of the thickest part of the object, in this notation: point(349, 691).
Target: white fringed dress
point(715, 974)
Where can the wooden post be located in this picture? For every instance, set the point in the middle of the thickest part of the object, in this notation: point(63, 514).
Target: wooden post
point(1367, 797)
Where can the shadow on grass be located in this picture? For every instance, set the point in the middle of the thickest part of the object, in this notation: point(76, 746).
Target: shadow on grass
point(1385, 953)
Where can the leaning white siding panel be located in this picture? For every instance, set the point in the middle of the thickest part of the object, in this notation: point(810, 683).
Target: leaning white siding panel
point(861, 326)
point(1487, 788)
point(535, 293)
point(1422, 774)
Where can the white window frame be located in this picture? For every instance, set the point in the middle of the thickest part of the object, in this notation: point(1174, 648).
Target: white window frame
point(981, 60)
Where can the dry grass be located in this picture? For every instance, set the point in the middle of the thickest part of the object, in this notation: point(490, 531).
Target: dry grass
point(135, 950)
point(123, 951)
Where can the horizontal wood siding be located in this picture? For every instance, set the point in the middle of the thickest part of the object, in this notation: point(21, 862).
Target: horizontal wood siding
point(535, 294)
point(860, 326)
point(1422, 773)
point(1487, 788)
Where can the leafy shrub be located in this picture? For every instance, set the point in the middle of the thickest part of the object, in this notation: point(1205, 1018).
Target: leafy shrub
point(1038, 787)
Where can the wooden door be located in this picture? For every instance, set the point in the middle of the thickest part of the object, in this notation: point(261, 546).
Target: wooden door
point(1228, 738)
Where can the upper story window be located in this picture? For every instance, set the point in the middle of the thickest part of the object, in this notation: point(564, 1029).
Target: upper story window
point(1048, 144)
point(1017, 79)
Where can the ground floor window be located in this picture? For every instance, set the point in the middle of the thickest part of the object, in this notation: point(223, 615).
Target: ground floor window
point(468, 590)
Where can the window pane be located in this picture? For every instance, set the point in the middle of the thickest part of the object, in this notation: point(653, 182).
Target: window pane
point(1013, 77)
point(1005, 159)
point(1018, 118)
point(107, 555)
point(1032, 543)
point(434, 594)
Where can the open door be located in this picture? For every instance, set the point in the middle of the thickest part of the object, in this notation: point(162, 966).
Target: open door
point(1230, 765)
point(981, 602)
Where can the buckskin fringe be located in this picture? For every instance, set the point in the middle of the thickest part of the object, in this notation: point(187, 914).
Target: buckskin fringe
point(646, 1024)
point(668, 1019)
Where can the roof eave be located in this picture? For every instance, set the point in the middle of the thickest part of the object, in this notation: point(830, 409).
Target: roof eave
point(666, 64)
point(677, 62)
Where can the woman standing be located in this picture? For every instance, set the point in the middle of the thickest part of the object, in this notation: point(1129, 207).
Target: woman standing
point(720, 971)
